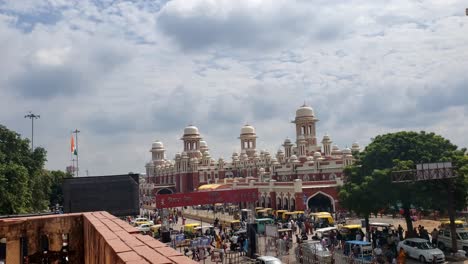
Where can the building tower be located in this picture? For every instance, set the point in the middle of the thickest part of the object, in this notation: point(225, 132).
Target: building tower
point(248, 140)
point(305, 125)
point(288, 148)
point(157, 153)
point(191, 140)
point(327, 145)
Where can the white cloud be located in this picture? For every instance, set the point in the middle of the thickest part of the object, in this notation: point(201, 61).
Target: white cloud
point(126, 73)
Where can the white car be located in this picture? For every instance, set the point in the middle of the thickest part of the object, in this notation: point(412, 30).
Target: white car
point(421, 249)
point(144, 228)
point(445, 239)
point(268, 260)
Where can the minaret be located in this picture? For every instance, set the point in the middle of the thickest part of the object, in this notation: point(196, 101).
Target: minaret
point(191, 140)
point(327, 145)
point(287, 148)
point(157, 152)
point(248, 140)
point(305, 125)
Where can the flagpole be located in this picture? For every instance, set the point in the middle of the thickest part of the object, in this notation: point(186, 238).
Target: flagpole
point(76, 148)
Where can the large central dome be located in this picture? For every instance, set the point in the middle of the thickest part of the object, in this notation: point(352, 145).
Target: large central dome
point(191, 130)
point(305, 111)
point(247, 129)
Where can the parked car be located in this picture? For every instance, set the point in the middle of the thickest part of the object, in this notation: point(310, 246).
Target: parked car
point(139, 221)
point(144, 228)
point(445, 239)
point(421, 249)
point(309, 252)
point(268, 260)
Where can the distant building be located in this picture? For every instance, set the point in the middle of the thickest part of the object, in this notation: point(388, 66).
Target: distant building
point(304, 169)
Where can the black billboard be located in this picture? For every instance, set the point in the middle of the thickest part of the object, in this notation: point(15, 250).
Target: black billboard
point(116, 194)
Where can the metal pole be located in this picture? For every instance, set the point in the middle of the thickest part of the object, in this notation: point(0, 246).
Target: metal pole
point(77, 166)
point(32, 117)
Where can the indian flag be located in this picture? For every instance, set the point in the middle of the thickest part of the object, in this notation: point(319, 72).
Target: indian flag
point(72, 146)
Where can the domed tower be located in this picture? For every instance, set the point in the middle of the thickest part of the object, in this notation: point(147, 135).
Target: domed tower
point(305, 125)
point(355, 147)
point(248, 140)
point(203, 146)
point(157, 152)
point(327, 145)
point(191, 140)
point(288, 148)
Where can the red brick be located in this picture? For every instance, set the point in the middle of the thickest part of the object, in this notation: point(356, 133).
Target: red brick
point(118, 245)
point(154, 243)
point(129, 256)
point(141, 261)
point(182, 260)
point(143, 237)
point(168, 252)
point(152, 256)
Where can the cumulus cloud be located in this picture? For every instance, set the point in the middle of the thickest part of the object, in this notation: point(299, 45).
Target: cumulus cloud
point(126, 73)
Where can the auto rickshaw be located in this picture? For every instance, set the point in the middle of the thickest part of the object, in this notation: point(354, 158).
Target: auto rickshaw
point(445, 223)
point(265, 213)
point(189, 229)
point(258, 209)
point(235, 225)
point(349, 231)
point(360, 250)
point(322, 219)
point(279, 213)
point(299, 213)
point(261, 223)
point(289, 215)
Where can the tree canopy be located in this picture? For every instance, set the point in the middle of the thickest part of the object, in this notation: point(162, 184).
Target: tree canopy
point(25, 186)
point(369, 179)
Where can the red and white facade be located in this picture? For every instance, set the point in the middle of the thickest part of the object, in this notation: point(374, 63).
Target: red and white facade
point(303, 174)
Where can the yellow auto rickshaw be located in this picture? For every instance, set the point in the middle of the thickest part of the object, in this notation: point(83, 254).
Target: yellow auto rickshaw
point(445, 223)
point(289, 215)
point(235, 225)
point(279, 213)
point(190, 228)
point(258, 209)
point(349, 231)
point(322, 219)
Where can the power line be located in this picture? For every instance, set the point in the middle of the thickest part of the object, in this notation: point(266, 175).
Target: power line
point(32, 116)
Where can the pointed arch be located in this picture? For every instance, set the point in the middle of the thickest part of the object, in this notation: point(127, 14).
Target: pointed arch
point(332, 200)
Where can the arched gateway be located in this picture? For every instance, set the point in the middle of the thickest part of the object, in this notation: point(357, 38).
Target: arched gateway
point(321, 202)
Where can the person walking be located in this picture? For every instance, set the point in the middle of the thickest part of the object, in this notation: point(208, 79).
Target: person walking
point(435, 237)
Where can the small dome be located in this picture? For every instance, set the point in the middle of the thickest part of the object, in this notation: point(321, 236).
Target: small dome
point(280, 151)
point(247, 129)
point(177, 155)
point(206, 153)
point(184, 154)
point(317, 154)
point(346, 151)
point(335, 148)
point(305, 111)
point(191, 130)
point(287, 141)
point(326, 138)
point(262, 170)
point(203, 143)
point(293, 157)
point(157, 145)
point(194, 160)
point(309, 158)
point(235, 154)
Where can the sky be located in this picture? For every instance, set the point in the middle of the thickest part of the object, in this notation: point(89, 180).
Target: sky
point(127, 73)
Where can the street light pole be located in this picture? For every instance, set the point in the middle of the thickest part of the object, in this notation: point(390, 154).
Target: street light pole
point(32, 117)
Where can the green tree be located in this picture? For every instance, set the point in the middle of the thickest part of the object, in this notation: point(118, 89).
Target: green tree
point(401, 151)
point(363, 194)
point(25, 186)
